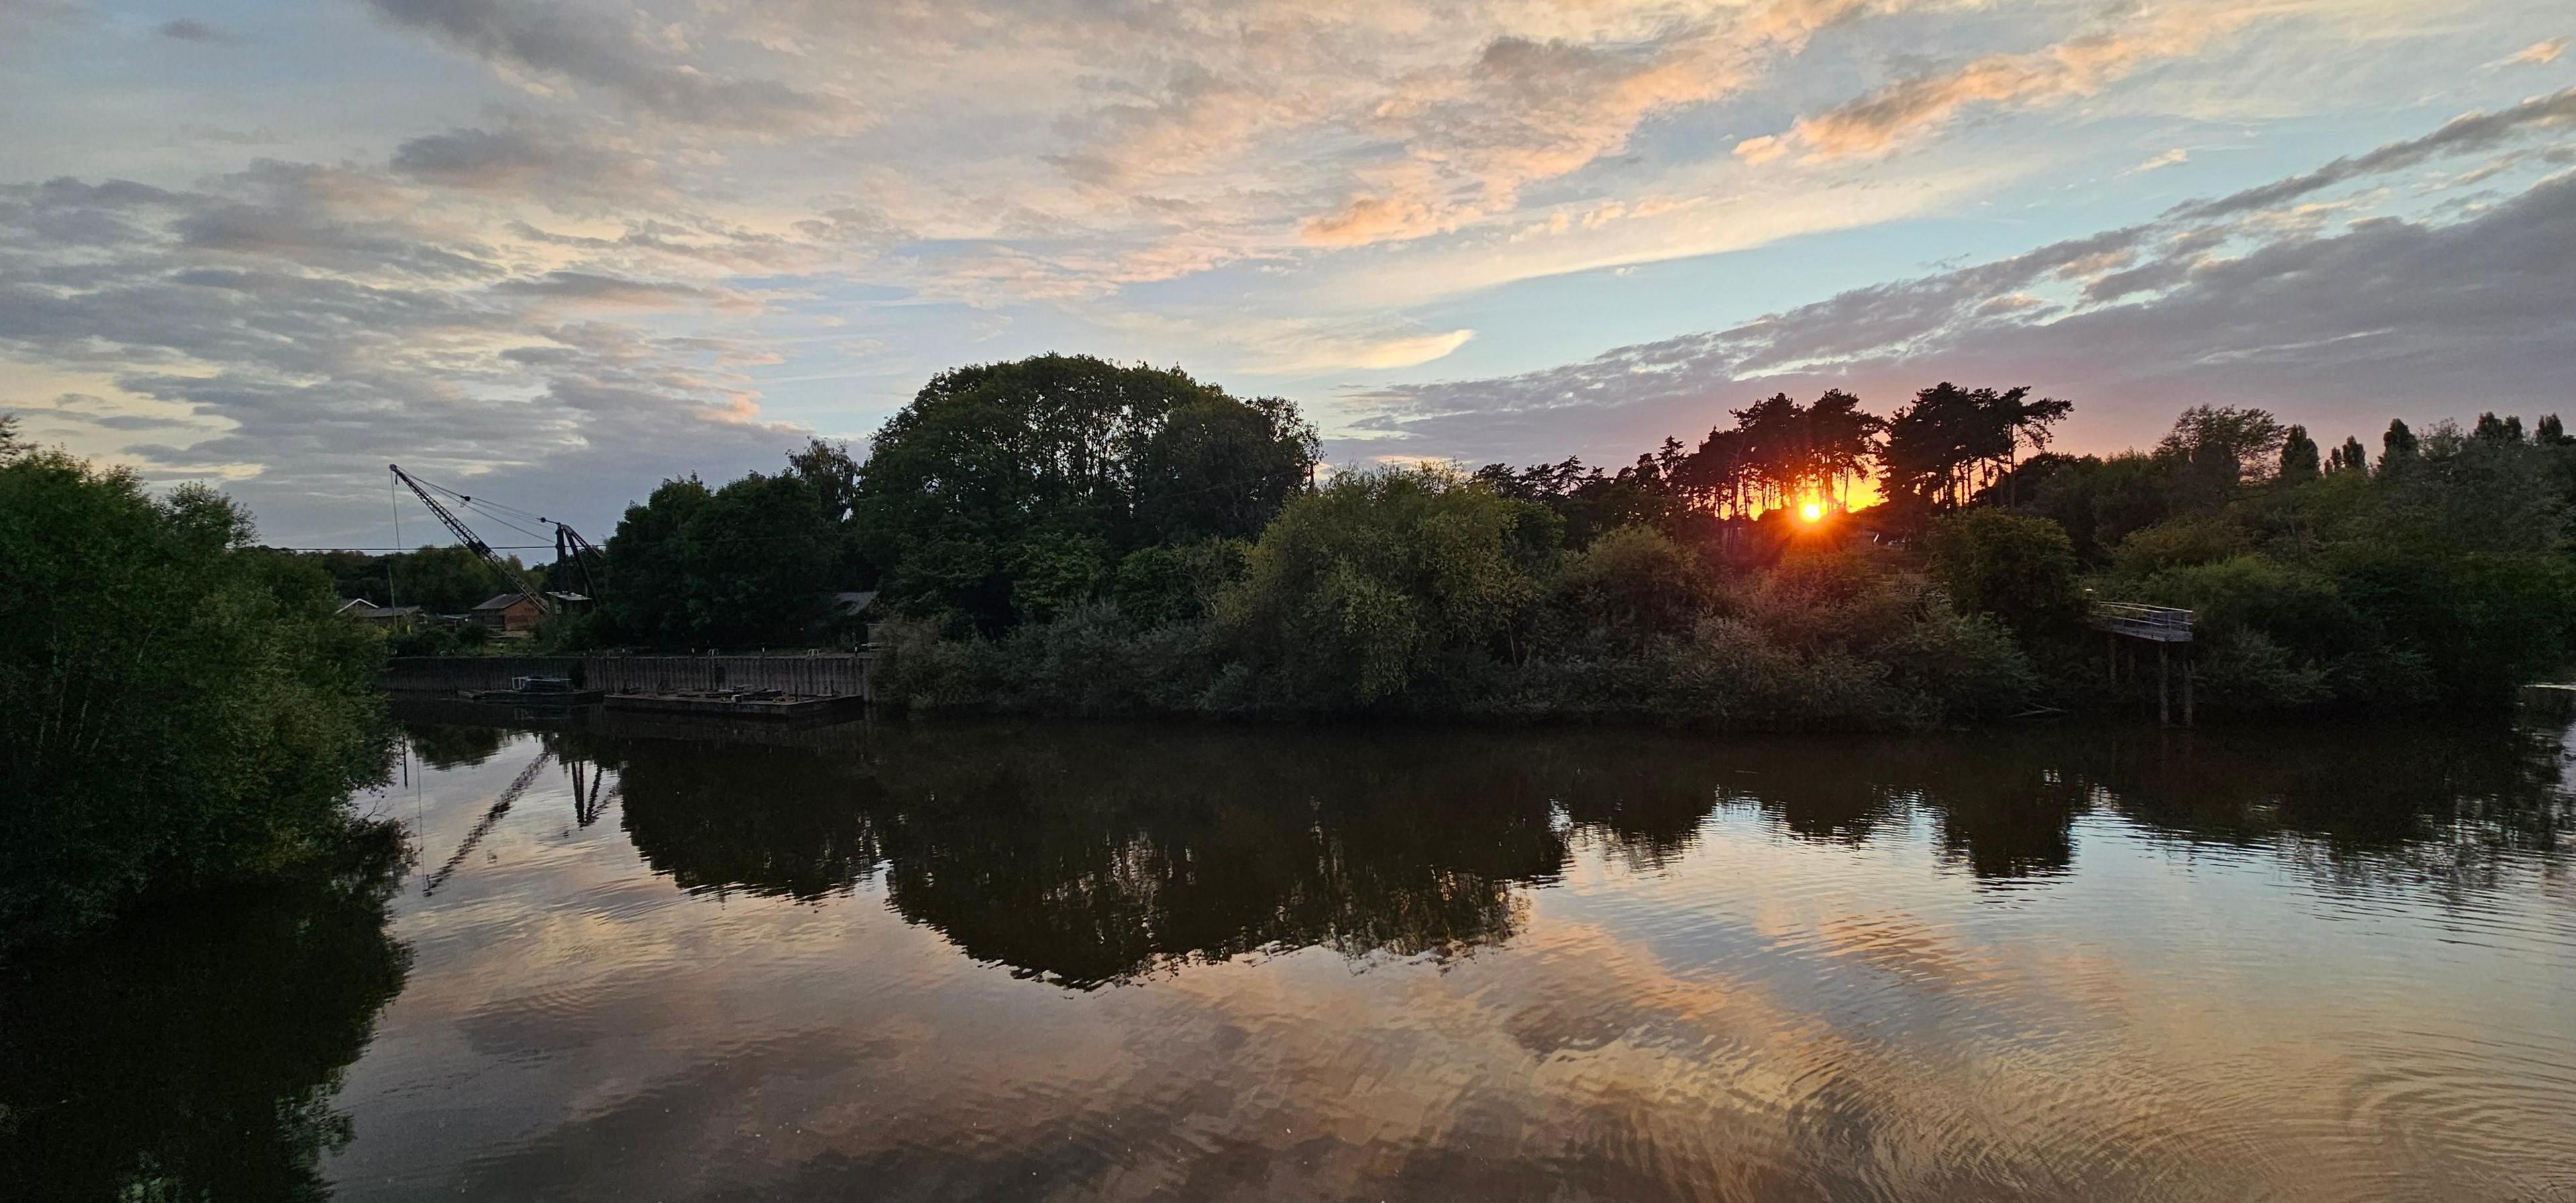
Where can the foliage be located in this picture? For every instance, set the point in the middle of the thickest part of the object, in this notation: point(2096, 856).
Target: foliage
point(2021, 570)
point(176, 707)
point(2298, 456)
point(1414, 592)
point(1012, 491)
point(2216, 448)
point(2441, 579)
point(1164, 585)
point(1952, 441)
point(751, 564)
point(2317, 580)
point(1633, 583)
point(426, 641)
point(1356, 589)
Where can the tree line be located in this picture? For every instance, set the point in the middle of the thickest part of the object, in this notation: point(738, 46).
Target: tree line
point(1063, 534)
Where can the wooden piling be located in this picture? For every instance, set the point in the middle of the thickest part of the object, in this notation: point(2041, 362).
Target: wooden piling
point(2164, 707)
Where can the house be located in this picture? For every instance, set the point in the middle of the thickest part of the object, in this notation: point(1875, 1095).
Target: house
point(389, 617)
point(519, 614)
point(508, 614)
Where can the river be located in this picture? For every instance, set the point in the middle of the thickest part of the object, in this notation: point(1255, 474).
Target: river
point(1002, 961)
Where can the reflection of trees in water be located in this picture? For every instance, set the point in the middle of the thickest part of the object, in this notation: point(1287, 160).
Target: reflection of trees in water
point(1089, 859)
point(1087, 855)
point(769, 821)
point(1092, 854)
point(453, 745)
point(2357, 807)
point(193, 1053)
point(2380, 805)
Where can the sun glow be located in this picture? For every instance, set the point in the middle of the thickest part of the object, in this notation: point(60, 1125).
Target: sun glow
point(1812, 511)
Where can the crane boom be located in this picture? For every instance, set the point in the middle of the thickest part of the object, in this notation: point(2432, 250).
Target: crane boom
point(474, 542)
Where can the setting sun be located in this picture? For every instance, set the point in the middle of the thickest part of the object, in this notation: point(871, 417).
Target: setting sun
point(1812, 511)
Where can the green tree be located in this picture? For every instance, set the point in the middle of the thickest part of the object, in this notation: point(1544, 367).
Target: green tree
point(2492, 429)
point(2397, 448)
point(2019, 569)
point(1004, 490)
point(444, 580)
point(1636, 581)
point(177, 708)
point(2217, 448)
point(751, 564)
point(2298, 456)
point(1358, 589)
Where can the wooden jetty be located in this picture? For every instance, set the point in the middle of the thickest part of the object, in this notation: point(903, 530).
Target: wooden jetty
point(2127, 626)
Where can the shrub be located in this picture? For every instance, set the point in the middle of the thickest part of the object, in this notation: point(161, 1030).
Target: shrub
point(1356, 589)
point(2021, 570)
point(1634, 581)
point(176, 708)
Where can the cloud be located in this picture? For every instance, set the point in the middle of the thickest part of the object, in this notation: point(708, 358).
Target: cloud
point(190, 29)
point(558, 40)
point(2461, 135)
point(2537, 54)
point(527, 160)
point(594, 290)
point(1368, 219)
point(2074, 68)
point(292, 327)
point(1317, 353)
point(2384, 317)
point(2171, 158)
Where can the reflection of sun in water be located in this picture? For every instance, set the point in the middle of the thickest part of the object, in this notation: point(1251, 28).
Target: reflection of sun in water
point(1813, 510)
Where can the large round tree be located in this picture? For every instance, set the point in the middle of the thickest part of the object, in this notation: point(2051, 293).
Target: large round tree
point(1007, 491)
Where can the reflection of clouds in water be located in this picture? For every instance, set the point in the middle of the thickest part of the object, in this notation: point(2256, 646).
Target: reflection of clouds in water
point(1762, 1008)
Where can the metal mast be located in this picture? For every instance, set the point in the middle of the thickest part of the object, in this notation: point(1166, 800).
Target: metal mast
point(474, 542)
point(569, 545)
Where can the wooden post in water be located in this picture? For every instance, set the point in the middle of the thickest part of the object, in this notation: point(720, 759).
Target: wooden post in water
point(2187, 675)
point(2164, 707)
point(2111, 656)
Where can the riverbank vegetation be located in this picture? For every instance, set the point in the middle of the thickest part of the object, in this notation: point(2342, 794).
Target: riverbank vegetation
point(1064, 535)
point(177, 708)
point(1019, 527)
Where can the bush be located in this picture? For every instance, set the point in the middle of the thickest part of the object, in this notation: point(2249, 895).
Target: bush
point(176, 708)
point(2021, 570)
point(1356, 589)
point(1634, 581)
point(425, 641)
point(2180, 543)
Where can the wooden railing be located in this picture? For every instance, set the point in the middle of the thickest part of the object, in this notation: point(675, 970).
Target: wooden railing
point(2159, 624)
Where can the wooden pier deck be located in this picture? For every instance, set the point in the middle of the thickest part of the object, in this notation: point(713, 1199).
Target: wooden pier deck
point(2162, 626)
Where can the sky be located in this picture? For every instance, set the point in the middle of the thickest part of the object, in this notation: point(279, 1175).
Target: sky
point(555, 253)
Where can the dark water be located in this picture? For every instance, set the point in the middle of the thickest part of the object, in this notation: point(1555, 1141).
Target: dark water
point(1113, 963)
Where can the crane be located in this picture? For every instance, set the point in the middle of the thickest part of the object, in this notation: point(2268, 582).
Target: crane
point(569, 545)
point(474, 542)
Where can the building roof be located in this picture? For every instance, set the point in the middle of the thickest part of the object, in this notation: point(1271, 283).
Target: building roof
point(565, 596)
point(502, 601)
point(356, 603)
